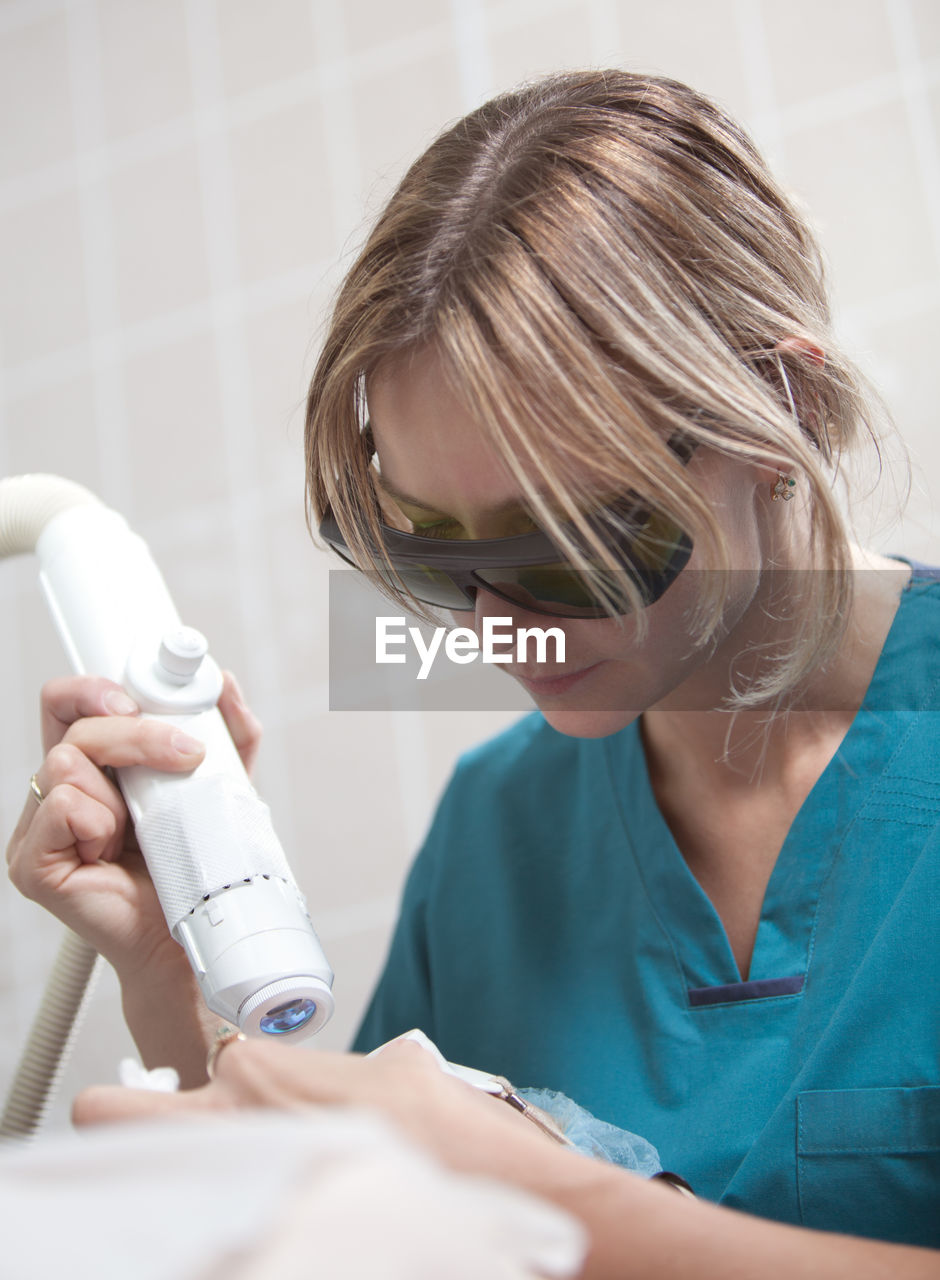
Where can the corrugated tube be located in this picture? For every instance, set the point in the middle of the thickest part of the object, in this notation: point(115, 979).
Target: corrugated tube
point(27, 504)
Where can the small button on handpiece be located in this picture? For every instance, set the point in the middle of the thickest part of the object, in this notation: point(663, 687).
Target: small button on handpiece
point(181, 653)
point(174, 675)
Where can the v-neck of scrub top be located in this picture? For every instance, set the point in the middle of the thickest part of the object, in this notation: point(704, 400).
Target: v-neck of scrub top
point(784, 943)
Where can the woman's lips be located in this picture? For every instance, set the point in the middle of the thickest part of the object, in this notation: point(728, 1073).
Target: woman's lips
point(551, 686)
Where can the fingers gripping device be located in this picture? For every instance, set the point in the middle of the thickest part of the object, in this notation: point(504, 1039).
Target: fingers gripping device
point(220, 873)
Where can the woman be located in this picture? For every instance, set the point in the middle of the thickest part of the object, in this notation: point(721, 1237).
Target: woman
point(583, 370)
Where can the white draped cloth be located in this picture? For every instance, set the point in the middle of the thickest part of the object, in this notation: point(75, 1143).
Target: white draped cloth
point(332, 1195)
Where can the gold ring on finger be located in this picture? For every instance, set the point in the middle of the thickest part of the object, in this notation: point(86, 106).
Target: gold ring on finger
point(36, 790)
point(225, 1035)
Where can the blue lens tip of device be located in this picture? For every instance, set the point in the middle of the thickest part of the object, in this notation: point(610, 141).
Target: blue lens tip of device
point(288, 1017)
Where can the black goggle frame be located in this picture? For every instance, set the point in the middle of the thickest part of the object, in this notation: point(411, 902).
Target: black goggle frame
point(449, 573)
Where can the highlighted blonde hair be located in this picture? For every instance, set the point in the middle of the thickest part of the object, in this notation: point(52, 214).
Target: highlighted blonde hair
point(601, 260)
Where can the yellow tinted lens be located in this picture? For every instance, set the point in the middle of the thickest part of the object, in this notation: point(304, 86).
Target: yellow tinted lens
point(656, 542)
point(564, 590)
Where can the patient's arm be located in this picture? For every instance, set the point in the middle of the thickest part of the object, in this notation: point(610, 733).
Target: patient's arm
point(638, 1228)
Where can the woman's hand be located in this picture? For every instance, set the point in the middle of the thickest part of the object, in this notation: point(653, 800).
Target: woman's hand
point(76, 855)
point(75, 852)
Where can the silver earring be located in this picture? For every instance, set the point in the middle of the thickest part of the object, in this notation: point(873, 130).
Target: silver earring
point(783, 488)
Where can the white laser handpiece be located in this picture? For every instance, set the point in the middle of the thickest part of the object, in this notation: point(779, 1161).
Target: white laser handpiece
point(220, 873)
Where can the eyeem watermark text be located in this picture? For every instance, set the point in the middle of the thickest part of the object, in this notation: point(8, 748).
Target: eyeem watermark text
point(501, 642)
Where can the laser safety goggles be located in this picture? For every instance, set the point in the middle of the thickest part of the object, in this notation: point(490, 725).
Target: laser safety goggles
point(529, 569)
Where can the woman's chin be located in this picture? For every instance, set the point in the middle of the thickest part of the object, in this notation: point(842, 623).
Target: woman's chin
point(590, 702)
point(583, 722)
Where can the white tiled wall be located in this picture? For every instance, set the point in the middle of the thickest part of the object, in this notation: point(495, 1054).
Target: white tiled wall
point(180, 184)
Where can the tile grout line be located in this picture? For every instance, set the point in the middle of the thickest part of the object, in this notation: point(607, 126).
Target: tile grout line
point(151, 334)
point(341, 136)
point(258, 104)
point(224, 114)
point(98, 248)
point(244, 507)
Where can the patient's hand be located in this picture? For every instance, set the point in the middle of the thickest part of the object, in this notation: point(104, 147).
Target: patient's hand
point(462, 1126)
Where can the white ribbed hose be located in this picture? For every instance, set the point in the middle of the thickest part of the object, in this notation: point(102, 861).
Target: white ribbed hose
point(217, 866)
point(50, 1039)
point(27, 504)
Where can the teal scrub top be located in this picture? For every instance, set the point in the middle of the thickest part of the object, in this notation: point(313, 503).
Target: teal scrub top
point(552, 932)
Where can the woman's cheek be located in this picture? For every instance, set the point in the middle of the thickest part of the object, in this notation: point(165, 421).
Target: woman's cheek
point(463, 618)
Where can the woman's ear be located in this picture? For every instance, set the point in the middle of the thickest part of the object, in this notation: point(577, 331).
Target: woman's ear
point(807, 410)
point(802, 347)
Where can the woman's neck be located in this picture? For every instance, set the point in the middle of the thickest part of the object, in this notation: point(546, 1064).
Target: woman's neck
point(771, 744)
point(729, 786)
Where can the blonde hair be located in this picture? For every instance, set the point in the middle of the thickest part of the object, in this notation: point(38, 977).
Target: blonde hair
point(601, 260)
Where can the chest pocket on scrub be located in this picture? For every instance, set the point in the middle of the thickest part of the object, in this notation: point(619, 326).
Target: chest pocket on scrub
point(868, 1162)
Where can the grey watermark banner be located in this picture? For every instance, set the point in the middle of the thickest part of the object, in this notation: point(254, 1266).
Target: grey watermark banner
point(383, 658)
point(362, 620)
